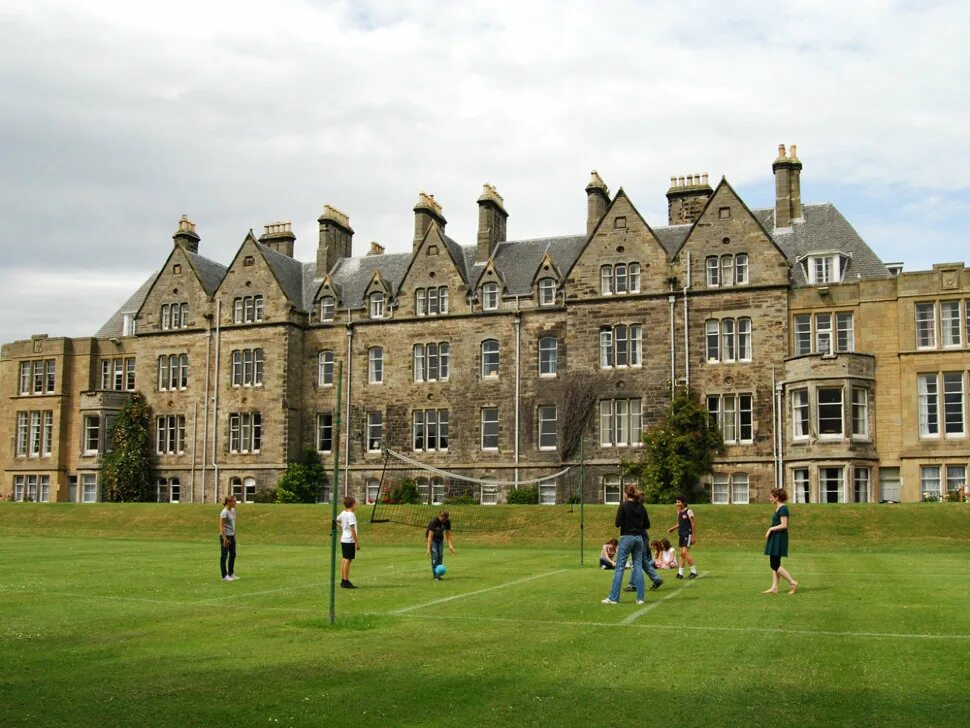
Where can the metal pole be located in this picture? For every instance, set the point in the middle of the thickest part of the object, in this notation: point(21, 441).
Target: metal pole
point(333, 498)
point(582, 498)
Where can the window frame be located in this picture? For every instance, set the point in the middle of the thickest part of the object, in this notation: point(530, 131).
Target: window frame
point(545, 434)
point(486, 424)
point(548, 366)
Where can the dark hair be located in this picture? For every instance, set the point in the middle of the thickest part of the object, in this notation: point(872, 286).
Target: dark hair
point(349, 501)
point(682, 498)
point(225, 501)
point(613, 542)
point(780, 494)
point(656, 546)
point(665, 543)
point(443, 514)
point(632, 493)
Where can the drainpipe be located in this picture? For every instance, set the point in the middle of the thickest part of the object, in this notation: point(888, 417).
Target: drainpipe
point(205, 403)
point(195, 441)
point(215, 407)
point(687, 328)
point(774, 423)
point(517, 322)
point(350, 339)
point(671, 300)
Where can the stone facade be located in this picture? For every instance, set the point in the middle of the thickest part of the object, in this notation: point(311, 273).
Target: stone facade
point(828, 371)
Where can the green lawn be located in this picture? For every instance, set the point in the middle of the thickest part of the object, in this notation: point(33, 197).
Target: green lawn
point(115, 616)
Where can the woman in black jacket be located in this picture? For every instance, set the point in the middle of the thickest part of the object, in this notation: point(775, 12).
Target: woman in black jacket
point(631, 519)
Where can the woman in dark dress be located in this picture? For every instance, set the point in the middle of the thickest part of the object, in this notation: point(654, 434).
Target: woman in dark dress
point(776, 544)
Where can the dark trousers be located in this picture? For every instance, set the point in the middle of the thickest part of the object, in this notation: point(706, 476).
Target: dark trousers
point(437, 553)
point(227, 551)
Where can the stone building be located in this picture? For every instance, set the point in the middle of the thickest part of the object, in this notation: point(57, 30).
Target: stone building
point(827, 370)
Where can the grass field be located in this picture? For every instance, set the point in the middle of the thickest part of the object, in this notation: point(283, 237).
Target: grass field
point(115, 616)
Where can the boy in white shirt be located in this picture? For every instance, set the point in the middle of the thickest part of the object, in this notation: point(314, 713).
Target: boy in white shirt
point(349, 544)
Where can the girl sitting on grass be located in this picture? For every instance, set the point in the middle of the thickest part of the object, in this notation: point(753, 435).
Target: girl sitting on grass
point(608, 554)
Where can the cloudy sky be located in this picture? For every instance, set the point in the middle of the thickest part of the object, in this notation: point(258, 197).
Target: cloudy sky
point(119, 116)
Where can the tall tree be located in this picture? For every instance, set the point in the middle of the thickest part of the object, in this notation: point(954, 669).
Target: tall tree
point(128, 469)
point(677, 450)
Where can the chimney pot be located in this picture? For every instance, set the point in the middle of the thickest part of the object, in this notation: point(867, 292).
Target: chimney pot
point(335, 239)
point(597, 201)
point(186, 236)
point(375, 248)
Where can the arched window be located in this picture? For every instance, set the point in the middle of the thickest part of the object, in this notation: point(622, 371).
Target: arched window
point(547, 292)
point(490, 360)
point(377, 305)
point(328, 307)
point(490, 297)
point(372, 489)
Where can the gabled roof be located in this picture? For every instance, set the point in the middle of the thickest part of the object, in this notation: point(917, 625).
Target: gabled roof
point(114, 326)
point(518, 260)
point(824, 229)
point(353, 275)
point(210, 273)
point(289, 274)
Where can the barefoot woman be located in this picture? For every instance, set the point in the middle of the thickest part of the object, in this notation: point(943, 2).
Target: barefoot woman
point(776, 545)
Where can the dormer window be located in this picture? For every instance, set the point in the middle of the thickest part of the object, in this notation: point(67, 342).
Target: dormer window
point(377, 305)
point(827, 268)
point(490, 297)
point(547, 292)
point(247, 309)
point(327, 308)
point(727, 270)
point(174, 316)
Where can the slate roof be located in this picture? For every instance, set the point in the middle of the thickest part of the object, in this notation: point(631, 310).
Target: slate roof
point(114, 326)
point(824, 229)
point(210, 272)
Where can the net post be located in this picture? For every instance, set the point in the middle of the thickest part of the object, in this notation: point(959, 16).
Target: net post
point(582, 498)
point(380, 487)
point(333, 500)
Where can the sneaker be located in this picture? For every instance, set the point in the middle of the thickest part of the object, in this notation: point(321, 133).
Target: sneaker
point(630, 588)
point(602, 567)
point(233, 577)
point(348, 585)
point(680, 576)
point(227, 578)
point(608, 601)
point(640, 601)
point(657, 584)
point(437, 578)
point(692, 575)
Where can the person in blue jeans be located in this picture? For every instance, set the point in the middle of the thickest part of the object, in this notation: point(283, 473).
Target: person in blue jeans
point(647, 562)
point(631, 519)
point(438, 530)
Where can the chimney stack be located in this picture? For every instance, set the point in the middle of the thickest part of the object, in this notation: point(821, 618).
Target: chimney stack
point(375, 248)
point(426, 211)
point(492, 219)
point(687, 198)
point(597, 200)
point(336, 237)
point(186, 236)
point(788, 188)
point(279, 236)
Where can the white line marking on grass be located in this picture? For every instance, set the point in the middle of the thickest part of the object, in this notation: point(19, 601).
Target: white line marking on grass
point(669, 627)
point(653, 605)
point(473, 593)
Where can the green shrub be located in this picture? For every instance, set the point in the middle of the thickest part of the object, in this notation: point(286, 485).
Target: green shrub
point(303, 479)
point(265, 495)
point(405, 492)
point(527, 495)
point(461, 500)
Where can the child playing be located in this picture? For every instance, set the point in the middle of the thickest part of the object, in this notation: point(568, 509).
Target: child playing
point(687, 536)
point(349, 543)
point(668, 557)
point(438, 530)
point(608, 554)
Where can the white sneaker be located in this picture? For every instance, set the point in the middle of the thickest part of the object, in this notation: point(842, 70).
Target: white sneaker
point(227, 578)
point(608, 601)
point(640, 601)
point(233, 577)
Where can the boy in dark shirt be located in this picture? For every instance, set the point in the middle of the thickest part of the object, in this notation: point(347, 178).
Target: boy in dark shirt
point(687, 535)
point(438, 530)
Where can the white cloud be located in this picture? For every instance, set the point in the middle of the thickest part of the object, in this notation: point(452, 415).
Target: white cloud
point(127, 114)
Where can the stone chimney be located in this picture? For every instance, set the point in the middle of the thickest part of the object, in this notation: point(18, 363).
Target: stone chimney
point(492, 219)
point(426, 211)
point(336, 237)
point(788, 188)
point(375, 248)
point(186, 236)
point(279, 236)
point(597, 200)
point(686, 198)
